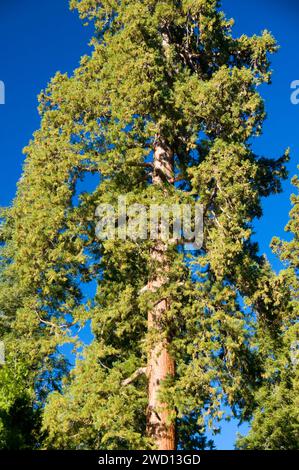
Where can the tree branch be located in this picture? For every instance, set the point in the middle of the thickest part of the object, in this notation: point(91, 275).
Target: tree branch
point(177, 179)
point(137, 373)
point(142, 165)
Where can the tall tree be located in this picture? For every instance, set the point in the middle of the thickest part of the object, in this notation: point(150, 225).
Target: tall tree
point(163, 112)
point(275, 423)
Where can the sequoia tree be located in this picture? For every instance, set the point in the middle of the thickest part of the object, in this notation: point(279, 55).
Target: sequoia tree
point(163, 111)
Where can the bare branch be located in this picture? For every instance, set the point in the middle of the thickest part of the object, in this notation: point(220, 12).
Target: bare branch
point(177, 179)
point(142, 165)
point(137, 373)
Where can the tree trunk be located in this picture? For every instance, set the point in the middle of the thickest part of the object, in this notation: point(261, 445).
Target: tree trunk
point(160, 362)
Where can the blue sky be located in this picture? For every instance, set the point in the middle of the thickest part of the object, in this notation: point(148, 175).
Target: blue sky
point(38, 38)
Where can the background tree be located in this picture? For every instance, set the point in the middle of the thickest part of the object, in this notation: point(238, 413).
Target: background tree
point(163, 110)
point(30, 369)
point(275, 424)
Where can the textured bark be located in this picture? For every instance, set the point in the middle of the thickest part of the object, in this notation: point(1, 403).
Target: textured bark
point(160, 362)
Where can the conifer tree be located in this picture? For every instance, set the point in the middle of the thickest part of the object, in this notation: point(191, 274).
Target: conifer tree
point(162, 111)
point(275, 424)
point(30, 369)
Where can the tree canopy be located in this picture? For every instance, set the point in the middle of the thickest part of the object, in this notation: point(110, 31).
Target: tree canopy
point(167, 74)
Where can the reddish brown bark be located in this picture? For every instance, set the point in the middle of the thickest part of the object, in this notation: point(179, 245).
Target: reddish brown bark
point(160, 363)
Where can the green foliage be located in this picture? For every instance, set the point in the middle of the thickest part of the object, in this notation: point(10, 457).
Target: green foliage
point(275, 423)
point(201, 97)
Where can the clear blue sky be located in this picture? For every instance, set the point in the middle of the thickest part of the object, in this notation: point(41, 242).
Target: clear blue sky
point(38, 38)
